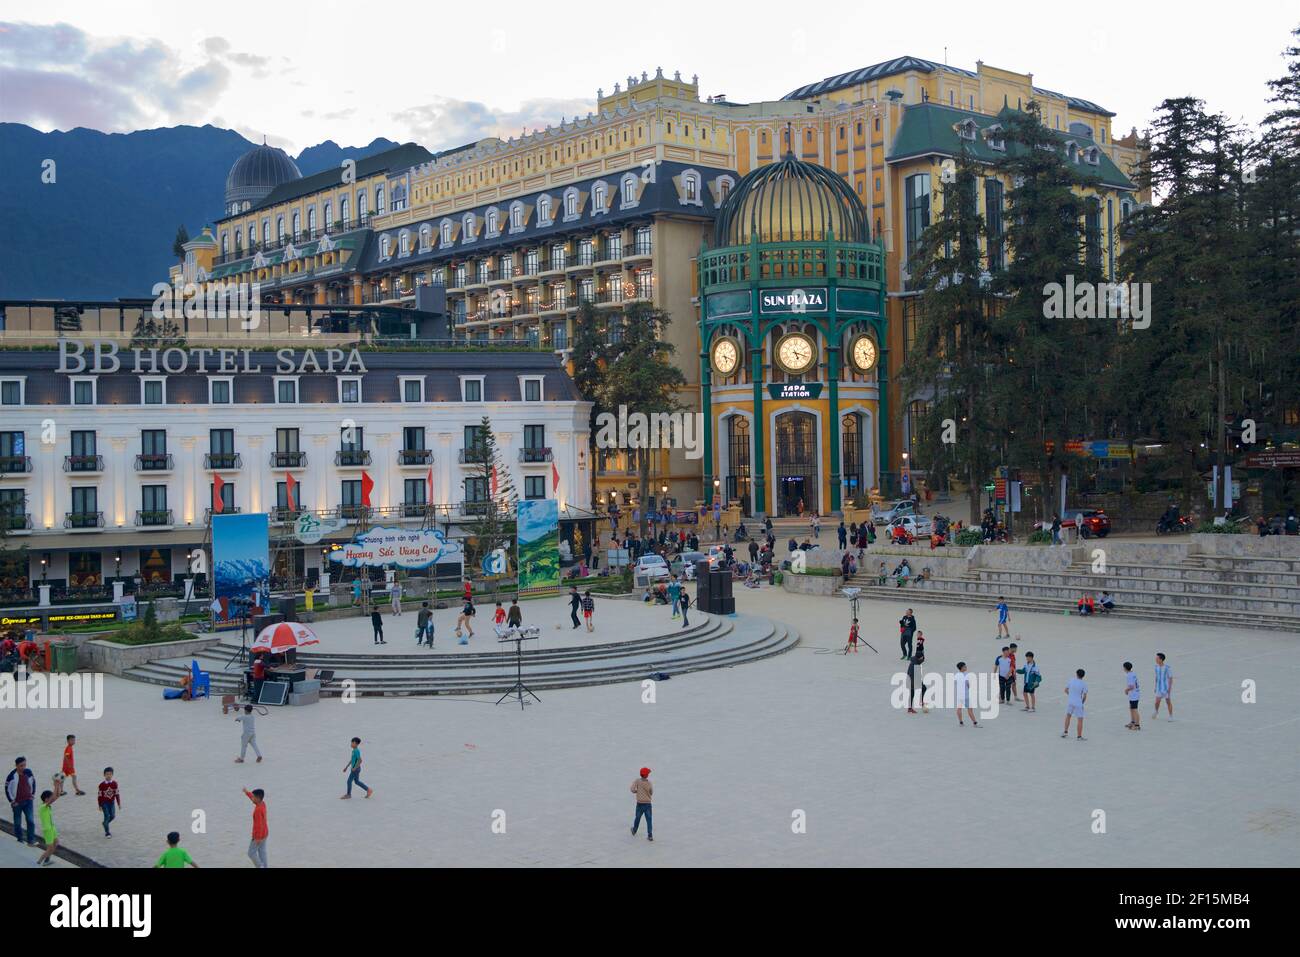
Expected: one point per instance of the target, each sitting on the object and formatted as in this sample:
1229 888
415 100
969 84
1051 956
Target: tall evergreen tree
178 246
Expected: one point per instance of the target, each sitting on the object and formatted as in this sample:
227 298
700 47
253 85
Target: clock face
796 353
726 356
864 353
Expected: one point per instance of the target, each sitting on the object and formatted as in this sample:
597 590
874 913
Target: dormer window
468 228
445 229
628 191
570 204
995 138
1072 151
967 129
493 220
691 188
599 198
426 236
385 247
1092 155
544 213
404 243
516 217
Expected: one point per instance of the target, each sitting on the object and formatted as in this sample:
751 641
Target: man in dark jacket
20 789
906 629
575 602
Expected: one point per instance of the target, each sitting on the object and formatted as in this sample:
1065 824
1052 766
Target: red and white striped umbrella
283 636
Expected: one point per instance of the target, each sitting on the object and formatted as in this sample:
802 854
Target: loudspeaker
265 621
722 588
702 570
287 607
702 592
726 606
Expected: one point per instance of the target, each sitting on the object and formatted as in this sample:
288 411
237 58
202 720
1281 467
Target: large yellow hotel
776 234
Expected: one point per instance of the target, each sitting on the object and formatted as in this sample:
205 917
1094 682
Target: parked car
887 514
918 526
684 564
1096 523
651 568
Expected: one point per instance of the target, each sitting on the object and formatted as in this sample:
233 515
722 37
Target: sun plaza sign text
792 300
103 356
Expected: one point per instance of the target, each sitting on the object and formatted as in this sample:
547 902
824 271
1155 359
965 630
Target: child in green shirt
48 831
175 855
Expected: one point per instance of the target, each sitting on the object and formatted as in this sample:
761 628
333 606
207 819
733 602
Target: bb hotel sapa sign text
102 357
792 300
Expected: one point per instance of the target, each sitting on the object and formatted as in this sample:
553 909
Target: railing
15 521
282 514
582 260
472 455
639 248
352 458
223 460
414 509
153 516
610 254
535 455
414 456
15 463
793 260
153 462
475 508
226 510
608 296
83 520
352 512
288 460
83 463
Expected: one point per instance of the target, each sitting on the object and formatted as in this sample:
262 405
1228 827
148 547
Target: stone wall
114 659
811 584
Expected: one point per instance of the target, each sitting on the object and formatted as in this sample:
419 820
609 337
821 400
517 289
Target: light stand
853 595
519 636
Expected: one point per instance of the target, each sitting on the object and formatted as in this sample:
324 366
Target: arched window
570 203
297 225
329 216
363 207
724 188
446 229
266 232
598 194
311 220
225 243
404 243
426 236
385 247
628 189
493 221
279 229
467 228
344 211
252 238
380 208
544 209
691 186
516 216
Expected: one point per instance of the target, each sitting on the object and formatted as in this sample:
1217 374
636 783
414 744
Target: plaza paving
736 753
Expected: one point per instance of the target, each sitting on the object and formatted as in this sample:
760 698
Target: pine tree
589 362
494 523
955 352
178 246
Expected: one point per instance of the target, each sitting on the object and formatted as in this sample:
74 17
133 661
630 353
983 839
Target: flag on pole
289 497
555 477
218 505
428 498
367 483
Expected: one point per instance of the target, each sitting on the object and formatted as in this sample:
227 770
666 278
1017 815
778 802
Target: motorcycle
1166 526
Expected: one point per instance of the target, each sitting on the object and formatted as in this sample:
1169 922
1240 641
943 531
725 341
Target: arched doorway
852 457
738 463
797 477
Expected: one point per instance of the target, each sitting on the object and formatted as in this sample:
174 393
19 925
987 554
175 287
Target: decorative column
190 472
117 472
385 469
882 389
706 406
257 467
760 424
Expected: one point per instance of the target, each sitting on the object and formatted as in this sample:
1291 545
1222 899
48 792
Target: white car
918 526
688 560
652 568
886 516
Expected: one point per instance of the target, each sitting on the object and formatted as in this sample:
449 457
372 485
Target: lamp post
717 510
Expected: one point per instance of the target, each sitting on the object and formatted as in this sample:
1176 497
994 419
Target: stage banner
539 543
404 547
240 555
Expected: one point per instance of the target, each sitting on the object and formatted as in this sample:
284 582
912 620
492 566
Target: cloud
58 77
444 122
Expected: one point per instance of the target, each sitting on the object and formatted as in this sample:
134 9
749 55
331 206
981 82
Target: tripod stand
240 656
519 636
852 595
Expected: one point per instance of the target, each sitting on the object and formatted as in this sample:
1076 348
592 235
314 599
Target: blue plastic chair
201 686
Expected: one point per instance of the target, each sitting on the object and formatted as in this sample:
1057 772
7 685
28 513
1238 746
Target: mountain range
103 225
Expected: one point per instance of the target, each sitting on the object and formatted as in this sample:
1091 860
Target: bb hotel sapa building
776 234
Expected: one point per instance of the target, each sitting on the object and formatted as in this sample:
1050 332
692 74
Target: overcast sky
301 73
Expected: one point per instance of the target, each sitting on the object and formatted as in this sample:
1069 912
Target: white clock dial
726 356
796 353
864 353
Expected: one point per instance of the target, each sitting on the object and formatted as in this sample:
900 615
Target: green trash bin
65 656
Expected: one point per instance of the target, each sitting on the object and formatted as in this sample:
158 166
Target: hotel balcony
288 460
352 458
13 464
227 510
352 512
581 261
475 508
535 455
415 509
473 456
86 520
554 307
554 267
410 457
15 521
282 514
609 255
83 464
611 297
153 517
153 462
638 250
224 461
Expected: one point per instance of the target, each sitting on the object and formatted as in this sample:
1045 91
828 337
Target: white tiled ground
735 753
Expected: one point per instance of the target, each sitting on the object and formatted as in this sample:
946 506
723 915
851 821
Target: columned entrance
797 479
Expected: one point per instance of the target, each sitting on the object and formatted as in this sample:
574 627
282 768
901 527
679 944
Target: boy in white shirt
1076 695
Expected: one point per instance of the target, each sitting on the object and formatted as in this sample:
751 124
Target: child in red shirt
499 616
70 766
853 638
110 800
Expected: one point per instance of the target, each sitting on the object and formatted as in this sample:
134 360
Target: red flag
494 481
555 477
367 483
289 486
428 498
217 485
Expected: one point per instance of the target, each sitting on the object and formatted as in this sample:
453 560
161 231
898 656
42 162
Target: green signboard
723 304
858 301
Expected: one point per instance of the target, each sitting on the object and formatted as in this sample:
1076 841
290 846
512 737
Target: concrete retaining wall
1248 546
811 584
106 656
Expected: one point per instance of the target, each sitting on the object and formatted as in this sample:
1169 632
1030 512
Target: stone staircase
713 642
1195 589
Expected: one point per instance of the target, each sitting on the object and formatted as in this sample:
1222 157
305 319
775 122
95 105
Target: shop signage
795 390
792 300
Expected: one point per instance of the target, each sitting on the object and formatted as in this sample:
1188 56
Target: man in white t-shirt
962 690
1134 697
1076 695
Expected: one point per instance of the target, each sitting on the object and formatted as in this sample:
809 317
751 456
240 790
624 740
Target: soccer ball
58 778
